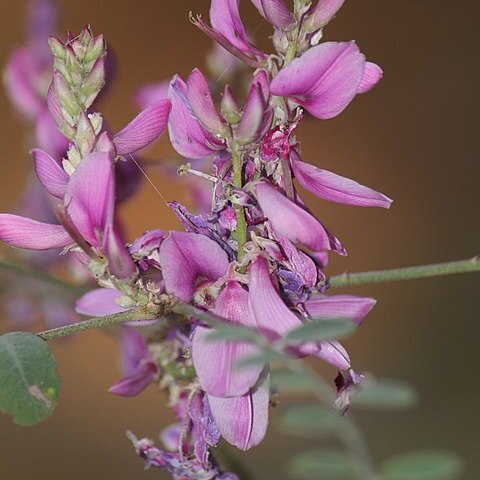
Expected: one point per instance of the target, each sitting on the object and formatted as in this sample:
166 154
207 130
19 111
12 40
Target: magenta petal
334 354
372 74
324 80
134 350
90 196
20 77
215 361
340 306
200 100
253 115
47 135
187 258
291 220
99 302
146 127
334 188
50 174
275 12
324 11
137 381
225 19
243 421
187 135
274 318
22 232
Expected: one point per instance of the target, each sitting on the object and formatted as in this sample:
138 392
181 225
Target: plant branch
241 228
407 273
41 276
141 313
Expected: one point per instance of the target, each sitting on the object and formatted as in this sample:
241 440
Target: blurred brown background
415 138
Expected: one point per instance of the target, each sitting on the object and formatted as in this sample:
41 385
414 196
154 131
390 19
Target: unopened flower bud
85 137
94 82
65 96
229 107
95 50
57 47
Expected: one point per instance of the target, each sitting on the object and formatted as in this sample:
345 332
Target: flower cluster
254 258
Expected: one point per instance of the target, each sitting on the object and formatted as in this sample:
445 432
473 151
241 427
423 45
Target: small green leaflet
295 382
321 464
29 384
228 331
322 329
385 394
423 466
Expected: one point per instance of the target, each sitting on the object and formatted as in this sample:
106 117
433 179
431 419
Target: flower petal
290 220
22 232
339 306
50 174
372 74
334 188
90 197
333 353
48 137
215 361
200 100
324 80
120 263
253 115
275 12
243 421
137 381
151 93
323 12
99 302
274 318
187 136
189 258
146 127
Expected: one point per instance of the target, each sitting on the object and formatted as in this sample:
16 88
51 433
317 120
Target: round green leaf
310 420
29 384
323 329
331 465
423 466
385 394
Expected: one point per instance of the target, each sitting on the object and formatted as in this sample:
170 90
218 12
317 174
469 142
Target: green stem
292 48
232 463
241 229
141 313
44 277
408 273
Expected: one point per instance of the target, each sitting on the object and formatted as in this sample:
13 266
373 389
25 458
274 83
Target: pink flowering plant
221 314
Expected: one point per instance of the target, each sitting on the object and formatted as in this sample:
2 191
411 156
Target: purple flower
228 31
215 361
322 13
293 222
275 12
333 187
138 366
326 78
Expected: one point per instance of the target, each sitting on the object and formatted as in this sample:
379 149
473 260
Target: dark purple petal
50 174
334 188
146 127
90 197
187 260
324 80
291 220
22 232
243 421
275 12
371 76
187 135
274 318
200 101
340 306
215 361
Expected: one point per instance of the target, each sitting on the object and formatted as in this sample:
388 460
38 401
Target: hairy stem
292 48
41 276
241 229
141 313
407 273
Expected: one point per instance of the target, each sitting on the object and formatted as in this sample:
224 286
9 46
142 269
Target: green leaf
29 384
423 466
229 332
385 394
331 465
324 329
265 356
310 420
296 382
